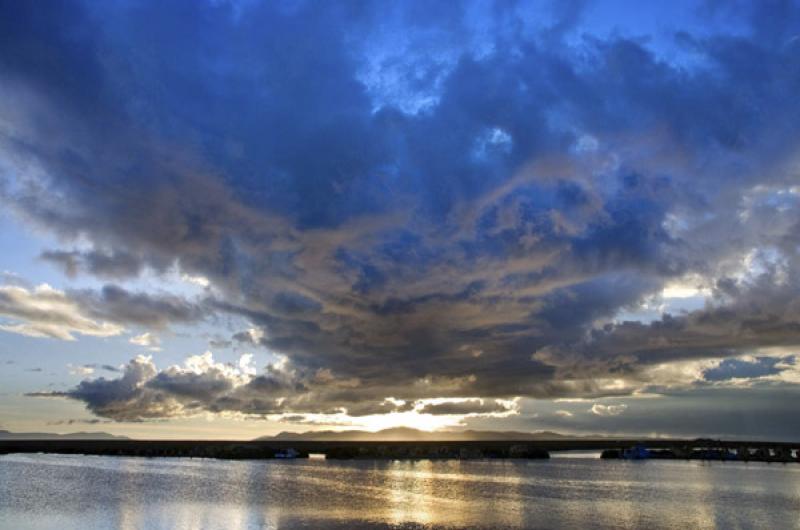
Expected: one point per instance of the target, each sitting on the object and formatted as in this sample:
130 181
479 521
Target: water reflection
72 492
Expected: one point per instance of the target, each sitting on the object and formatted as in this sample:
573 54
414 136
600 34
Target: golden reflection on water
428 493
409 496
127 493
624 510
127 513
195 514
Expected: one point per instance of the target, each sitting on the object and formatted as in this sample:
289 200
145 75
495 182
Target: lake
83 492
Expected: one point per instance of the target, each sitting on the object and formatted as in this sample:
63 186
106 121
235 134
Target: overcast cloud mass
425 209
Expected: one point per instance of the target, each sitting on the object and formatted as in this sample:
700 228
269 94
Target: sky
231 218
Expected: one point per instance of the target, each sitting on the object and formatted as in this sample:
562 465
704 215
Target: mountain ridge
82 435
399 434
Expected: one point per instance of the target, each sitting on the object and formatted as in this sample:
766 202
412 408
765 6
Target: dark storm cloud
243 337
155 311
465 407
740 318
114 397
203 385
457 214
116 265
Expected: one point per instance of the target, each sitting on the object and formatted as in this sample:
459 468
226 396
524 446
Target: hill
7 435
401 434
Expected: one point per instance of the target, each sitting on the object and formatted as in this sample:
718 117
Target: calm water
81 492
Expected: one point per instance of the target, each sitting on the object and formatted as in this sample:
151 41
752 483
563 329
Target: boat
637 452
288 453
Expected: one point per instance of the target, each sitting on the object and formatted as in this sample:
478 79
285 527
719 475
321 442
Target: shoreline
401 450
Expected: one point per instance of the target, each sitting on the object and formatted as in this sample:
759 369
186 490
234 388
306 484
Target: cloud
9 278
47 312
202 385
82 370
760 412
196 280
116 397
471 406
89 369
148 340
73 421
464 214
608 410
154 311
219 343
249 336
114 265
762 313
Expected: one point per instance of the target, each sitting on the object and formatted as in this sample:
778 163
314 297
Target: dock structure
461 450
710 450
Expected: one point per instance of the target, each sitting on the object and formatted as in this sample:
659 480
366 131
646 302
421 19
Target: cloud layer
415 204
43 311
203 385
48 312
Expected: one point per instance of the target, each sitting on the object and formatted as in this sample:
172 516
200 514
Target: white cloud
202 281
256 334
678 290
468 406
47 312
564 413
608 410
148 340
246 365
80 370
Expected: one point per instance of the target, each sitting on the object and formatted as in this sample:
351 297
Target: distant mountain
6 435
400 434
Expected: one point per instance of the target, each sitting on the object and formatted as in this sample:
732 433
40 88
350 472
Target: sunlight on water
78 492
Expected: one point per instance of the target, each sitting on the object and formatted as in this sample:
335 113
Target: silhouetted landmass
407 434
274 449
8 435
470 449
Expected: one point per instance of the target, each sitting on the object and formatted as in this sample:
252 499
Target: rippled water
80 492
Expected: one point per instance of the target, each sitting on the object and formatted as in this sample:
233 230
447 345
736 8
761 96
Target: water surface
81 492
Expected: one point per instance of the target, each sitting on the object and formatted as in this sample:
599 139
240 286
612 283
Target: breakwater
463 450
709 450
269 449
